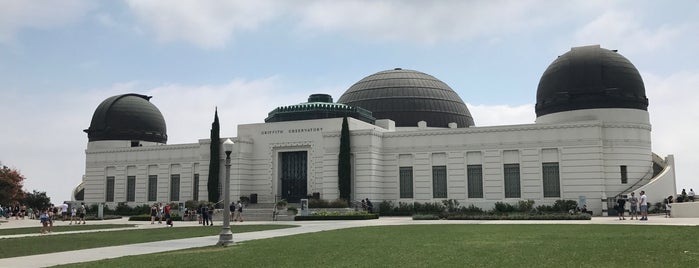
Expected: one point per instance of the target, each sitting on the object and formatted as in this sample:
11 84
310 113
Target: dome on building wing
590 77
407 97
127 117
319 106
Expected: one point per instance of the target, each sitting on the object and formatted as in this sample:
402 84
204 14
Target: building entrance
294 175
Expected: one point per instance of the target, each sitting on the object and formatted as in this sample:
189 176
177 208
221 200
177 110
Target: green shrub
471 209
337 216
451 205
525 205
322 203
521 216
502 207
565 205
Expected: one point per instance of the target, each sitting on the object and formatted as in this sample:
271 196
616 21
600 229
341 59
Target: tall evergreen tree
344 168
214 161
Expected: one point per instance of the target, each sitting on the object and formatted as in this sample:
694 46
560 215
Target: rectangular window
109 197
552 179
474 175
175 187
439 181
406 182
512 184
624 175
195 194
152 187
130 188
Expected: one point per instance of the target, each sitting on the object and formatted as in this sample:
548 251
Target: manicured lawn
447 246
13 247
62 228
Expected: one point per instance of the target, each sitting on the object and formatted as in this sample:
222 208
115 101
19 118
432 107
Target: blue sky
60 59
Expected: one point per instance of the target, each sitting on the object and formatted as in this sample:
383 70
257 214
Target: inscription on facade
293 130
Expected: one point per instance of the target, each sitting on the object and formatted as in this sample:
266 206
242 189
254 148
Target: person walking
633 206
73 216
211 216
668 207
644 206
153 213
81 213
621 205
238 212
232 209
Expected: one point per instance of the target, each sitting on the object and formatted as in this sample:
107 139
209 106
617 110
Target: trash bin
253 198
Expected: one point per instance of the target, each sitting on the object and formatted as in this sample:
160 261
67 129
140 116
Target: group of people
160 212
635 204
236 211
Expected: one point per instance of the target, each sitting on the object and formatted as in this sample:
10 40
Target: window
152 187
439 181
624 175
130 188
512 186
406 182
175 187
110 189
195 194
551 177
474 175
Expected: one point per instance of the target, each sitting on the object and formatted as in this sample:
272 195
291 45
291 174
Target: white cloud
208 24
624 29
34 14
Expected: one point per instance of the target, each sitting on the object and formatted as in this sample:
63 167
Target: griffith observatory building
412 140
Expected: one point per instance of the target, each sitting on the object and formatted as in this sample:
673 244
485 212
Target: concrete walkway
94 254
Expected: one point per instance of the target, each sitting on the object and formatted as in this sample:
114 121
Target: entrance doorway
294 175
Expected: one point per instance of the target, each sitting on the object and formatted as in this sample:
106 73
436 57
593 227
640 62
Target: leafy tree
11 183
344 168
214 162
36 199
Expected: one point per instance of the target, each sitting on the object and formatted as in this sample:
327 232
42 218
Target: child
73 214
44 219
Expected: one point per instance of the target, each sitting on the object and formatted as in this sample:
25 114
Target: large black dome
407 97
127 117
590 77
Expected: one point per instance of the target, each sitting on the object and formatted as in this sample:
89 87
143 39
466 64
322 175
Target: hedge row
338 217
553 216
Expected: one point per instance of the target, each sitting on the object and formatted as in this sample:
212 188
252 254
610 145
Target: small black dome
590 77
407 97
127 117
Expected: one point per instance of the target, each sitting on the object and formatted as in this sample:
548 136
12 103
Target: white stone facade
591 147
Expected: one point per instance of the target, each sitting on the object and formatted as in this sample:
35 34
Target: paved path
94 254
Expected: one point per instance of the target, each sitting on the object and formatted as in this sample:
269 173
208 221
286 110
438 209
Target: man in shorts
81 213
633 206
644 206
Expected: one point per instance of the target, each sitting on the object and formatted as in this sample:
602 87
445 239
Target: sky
60 59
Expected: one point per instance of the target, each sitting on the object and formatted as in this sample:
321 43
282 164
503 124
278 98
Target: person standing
44 219
633 206
644 206
233 210
73 216
64 211
369 206
153 213
160 213
205 215
81 213
621 205
168 219
691 194
211 216
668 207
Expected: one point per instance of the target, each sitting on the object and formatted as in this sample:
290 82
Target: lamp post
225 238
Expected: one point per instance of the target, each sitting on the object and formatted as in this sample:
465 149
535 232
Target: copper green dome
590 77
407 97
127 117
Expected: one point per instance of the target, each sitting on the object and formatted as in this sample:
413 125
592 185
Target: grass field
23 246
447 246
63 228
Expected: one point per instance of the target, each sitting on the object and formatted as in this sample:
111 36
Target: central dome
407 97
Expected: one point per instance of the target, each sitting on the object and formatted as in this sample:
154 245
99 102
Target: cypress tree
344 169
214 161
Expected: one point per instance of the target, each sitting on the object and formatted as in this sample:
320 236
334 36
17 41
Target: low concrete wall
685 210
